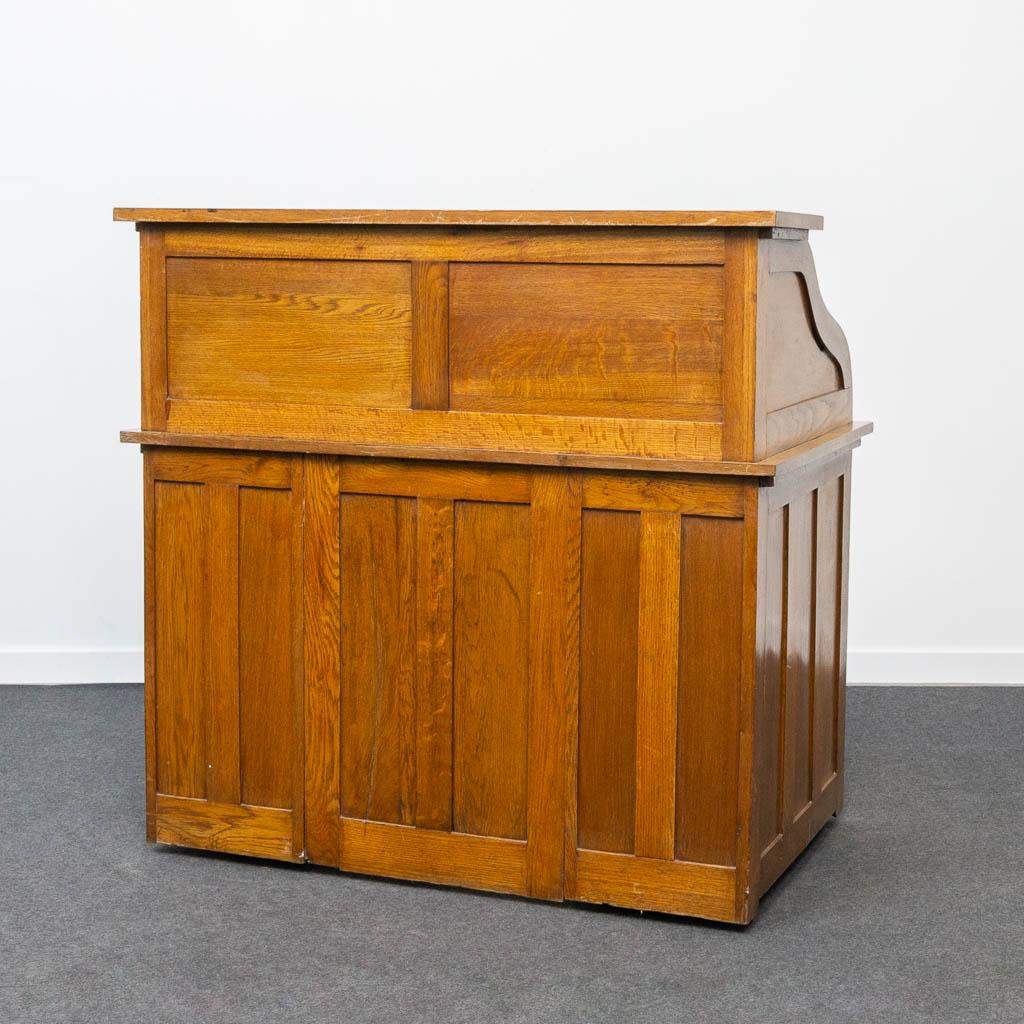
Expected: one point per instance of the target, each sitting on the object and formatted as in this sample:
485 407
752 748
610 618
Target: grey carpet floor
908 908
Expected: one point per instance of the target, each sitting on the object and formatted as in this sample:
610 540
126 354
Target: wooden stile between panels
502 550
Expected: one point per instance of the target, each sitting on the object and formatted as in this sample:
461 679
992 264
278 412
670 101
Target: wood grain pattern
563 435
225 828
378 657
181 615
554 673
152 264
321 588
654 494
266 683
222 679
780 465
298 331
574 218
435 567
671 887
492 664
587 340
739 349
423 855
654 245
429 335
657 684
826 633
709 689
610 610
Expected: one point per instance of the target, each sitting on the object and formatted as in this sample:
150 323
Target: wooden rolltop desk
505 550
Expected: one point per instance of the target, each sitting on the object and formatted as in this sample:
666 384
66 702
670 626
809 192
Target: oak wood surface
569 218
494 549
782 463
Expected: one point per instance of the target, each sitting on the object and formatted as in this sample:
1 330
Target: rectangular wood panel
770 749
492 658
799 631
709 684
609 612
587 340
180 658
378 658
826 632
294 331
267 691
429 335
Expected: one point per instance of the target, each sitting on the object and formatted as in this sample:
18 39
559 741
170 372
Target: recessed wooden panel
769 748
795 366
491 686
292 331
181 617
267 692
826 631
799 639
606 800
709 685
587 340
378 658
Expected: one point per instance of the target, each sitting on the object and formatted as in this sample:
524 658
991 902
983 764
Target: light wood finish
498 550
564 218
224 675
782 464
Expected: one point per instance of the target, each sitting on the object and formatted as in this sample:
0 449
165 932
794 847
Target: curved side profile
805 379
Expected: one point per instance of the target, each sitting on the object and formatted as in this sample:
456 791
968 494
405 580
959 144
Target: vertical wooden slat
181 619
297 710
154 327
771 734
839 716
609 620
492 662
378 658
798 655
429 335
150 627
826 666
738 344
710 667
435 555
266 691
554 673
322 658
222 709
657 684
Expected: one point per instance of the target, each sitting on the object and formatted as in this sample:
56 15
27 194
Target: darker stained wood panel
266 692
378 658
491 685
181 615
709 680
606 793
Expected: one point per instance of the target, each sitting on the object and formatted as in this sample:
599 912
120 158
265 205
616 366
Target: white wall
900 122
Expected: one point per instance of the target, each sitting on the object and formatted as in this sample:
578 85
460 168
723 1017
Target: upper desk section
675 337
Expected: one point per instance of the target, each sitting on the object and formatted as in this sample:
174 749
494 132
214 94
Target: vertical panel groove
812 647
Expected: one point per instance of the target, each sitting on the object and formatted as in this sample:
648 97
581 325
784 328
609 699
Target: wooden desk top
482 218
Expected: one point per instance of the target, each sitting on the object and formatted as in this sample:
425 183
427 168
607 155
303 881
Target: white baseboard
56 666
904 667
963 666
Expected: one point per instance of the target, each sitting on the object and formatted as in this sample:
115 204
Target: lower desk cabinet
611 687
